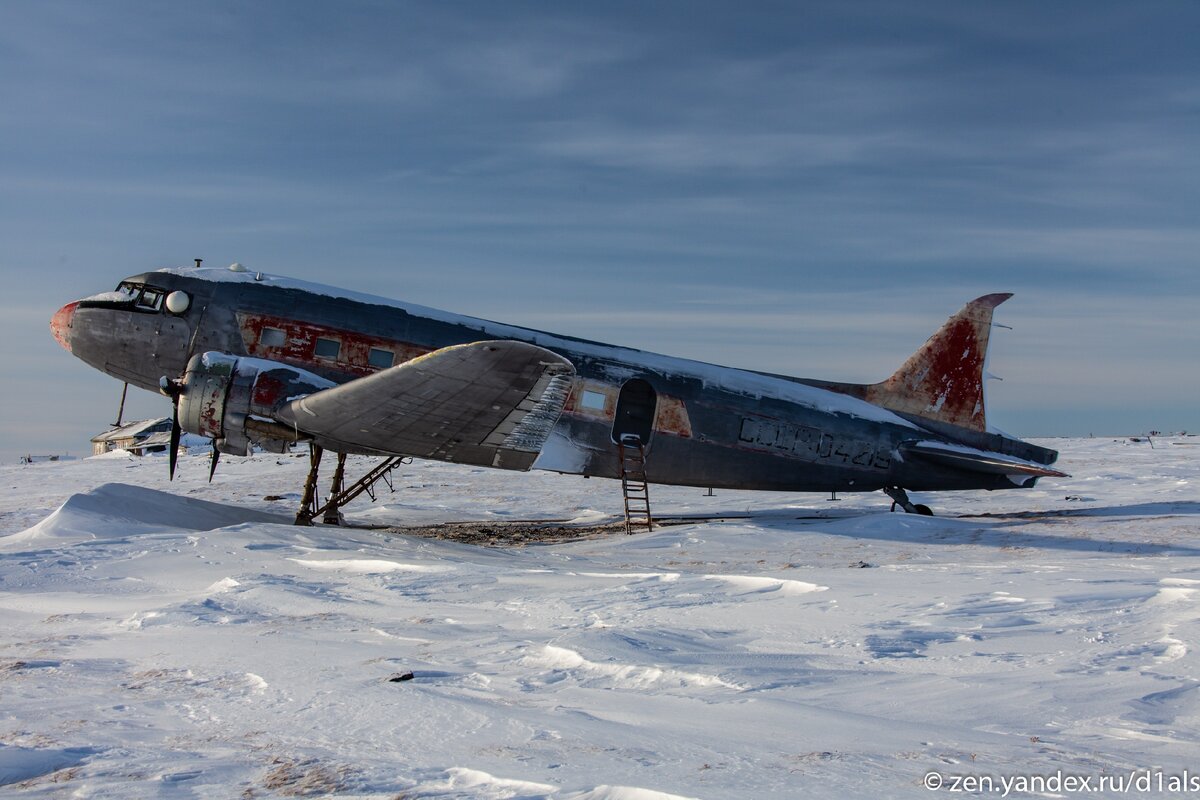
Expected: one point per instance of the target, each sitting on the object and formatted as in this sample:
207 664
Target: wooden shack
139 438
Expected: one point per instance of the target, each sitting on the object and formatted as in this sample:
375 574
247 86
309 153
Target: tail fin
944 379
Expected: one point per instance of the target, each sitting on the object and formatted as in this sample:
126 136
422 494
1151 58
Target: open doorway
636 407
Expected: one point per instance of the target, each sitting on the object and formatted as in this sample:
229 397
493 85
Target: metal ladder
632 454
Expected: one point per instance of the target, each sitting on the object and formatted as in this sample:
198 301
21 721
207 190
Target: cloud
810 190
687 151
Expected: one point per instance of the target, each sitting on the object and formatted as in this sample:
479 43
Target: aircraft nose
60 325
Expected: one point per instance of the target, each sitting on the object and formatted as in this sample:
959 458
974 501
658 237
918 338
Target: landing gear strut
308 502
900 498
339 494
332 516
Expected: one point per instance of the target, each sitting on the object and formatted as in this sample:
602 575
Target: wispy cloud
688 151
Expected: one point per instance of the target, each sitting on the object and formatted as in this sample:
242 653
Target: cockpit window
128 289
151 299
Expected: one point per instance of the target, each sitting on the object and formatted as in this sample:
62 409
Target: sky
805 188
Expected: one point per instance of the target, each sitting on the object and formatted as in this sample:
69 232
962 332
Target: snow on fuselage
703 424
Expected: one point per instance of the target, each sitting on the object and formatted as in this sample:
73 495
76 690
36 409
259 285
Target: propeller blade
172 389
173 454
212 467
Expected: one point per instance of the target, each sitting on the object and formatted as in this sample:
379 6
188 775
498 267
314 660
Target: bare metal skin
263 360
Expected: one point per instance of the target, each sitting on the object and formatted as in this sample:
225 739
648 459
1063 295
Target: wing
486 403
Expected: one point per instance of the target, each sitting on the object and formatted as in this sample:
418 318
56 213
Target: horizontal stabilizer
969 458
487 403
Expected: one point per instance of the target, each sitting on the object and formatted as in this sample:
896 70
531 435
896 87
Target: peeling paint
577 407
60 325
672 417
944 379
269 393
300 341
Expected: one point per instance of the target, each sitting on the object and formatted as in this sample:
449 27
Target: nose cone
60 325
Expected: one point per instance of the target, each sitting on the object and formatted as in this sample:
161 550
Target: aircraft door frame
636 411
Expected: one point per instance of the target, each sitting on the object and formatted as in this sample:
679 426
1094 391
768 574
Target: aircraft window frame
272 337
591 400
378 362
337 348
130 290
155 301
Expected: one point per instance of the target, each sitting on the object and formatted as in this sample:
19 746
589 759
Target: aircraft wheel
923 510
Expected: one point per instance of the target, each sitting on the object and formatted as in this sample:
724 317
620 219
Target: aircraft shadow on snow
994 530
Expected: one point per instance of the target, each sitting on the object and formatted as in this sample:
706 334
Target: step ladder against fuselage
635 488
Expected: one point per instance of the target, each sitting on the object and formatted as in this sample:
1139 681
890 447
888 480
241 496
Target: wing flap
486 403
969 458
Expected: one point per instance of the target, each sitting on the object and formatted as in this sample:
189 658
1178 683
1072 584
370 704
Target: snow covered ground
184 641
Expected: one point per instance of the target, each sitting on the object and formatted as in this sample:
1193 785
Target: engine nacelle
220 393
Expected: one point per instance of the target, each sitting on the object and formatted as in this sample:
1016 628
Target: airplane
251 359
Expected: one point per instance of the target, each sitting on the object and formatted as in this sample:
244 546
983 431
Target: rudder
944 379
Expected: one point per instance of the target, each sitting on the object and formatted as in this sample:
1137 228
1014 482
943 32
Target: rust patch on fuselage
576 405
672 417
300 342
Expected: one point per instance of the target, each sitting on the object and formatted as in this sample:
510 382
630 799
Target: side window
380 358
327 348
151 299
273 337
593 401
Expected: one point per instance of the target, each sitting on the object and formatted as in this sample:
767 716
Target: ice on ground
182 640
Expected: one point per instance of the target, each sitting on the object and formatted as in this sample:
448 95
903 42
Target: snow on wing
486 403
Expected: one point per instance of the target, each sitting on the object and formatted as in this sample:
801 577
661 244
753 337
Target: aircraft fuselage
702 425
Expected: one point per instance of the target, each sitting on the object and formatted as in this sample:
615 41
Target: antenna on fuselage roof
198 260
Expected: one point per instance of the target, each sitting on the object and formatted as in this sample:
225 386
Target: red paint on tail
943 380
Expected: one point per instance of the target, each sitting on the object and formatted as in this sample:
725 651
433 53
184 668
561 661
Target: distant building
139 438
